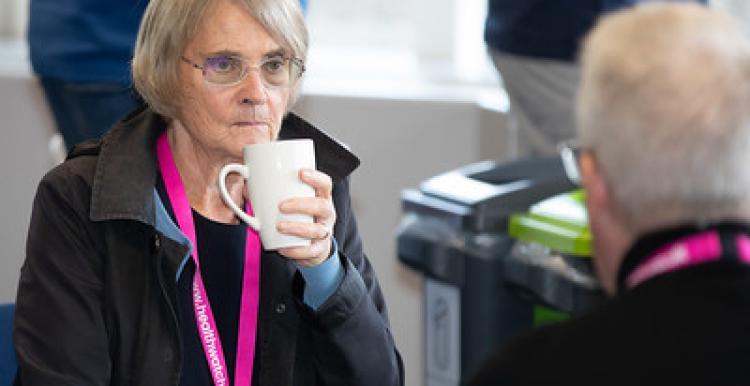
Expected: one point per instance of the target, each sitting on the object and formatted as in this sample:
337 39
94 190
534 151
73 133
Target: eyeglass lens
275 71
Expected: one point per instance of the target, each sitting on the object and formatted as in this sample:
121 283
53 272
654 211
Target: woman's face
222 119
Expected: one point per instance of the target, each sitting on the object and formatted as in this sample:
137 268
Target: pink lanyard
696 249
250 282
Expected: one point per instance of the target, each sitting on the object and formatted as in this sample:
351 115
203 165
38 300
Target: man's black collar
647 244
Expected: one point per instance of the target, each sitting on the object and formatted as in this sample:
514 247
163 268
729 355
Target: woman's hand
320 232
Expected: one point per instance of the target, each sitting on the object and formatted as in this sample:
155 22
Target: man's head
664 119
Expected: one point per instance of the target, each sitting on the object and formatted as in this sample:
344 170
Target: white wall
24 157
23 160
740 9
13 15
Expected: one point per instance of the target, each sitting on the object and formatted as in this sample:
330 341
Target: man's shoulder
557 353
643 336
580 334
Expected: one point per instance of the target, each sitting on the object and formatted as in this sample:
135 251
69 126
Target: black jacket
689 327
97 294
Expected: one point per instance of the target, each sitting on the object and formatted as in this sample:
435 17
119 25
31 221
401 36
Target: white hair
168 26
664 104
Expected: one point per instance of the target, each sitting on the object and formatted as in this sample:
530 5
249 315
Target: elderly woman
108 292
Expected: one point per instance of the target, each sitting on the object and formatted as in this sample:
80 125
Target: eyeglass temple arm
570 165
300 63
191 63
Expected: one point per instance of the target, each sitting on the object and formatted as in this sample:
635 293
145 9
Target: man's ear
611 236
598 192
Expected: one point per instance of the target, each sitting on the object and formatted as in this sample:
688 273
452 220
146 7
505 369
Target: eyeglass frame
247 67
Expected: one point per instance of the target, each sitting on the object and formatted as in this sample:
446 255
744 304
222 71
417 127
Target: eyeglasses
570 153
226 70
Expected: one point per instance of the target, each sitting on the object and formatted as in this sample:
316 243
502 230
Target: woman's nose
253 89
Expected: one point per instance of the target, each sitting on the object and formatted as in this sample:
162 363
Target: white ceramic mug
271 171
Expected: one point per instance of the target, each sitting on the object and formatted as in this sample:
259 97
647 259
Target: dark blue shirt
87 41
546 29
221 250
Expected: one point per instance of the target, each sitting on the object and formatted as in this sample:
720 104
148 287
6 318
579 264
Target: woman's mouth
251 123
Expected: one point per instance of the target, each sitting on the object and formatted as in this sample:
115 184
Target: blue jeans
83 111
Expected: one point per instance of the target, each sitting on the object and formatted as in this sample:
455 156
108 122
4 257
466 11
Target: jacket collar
126 170
648 244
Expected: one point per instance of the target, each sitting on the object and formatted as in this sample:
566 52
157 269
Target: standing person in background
533 44
81 52
664 133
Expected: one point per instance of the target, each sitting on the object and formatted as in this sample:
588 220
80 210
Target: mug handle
241 170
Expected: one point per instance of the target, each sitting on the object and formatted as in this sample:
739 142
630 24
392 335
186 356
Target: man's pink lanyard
696 249
250 282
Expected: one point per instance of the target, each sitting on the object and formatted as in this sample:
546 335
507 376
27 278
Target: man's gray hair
664 104
168 27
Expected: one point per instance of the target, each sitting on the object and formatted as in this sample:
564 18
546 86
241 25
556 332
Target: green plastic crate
559 222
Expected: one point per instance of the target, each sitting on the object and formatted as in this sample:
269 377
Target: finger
306 256
320 181
314 231
319 208
296 253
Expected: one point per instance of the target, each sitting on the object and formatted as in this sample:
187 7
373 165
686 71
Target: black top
221 251
547 29
686 327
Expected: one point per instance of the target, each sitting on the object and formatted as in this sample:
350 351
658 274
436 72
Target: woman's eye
220 64
274 65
